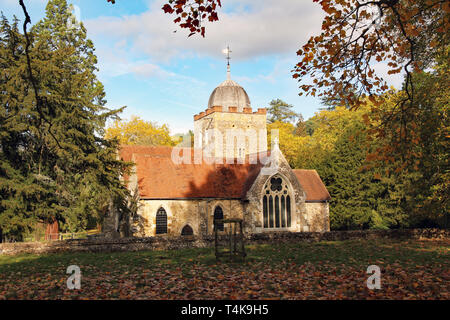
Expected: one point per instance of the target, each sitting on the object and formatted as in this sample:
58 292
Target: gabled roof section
159 177
312 184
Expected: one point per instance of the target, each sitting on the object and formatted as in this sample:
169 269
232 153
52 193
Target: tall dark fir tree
55 163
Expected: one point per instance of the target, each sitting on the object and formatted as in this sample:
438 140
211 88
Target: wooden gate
52 231
229 242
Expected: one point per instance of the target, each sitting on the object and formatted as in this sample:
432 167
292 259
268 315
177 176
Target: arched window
265 213
276 204
161 221
187 231
218 214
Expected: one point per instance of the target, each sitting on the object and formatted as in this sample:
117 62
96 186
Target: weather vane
227 51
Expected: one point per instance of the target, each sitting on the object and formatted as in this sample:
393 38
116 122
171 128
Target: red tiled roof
126 151
160 178
312 184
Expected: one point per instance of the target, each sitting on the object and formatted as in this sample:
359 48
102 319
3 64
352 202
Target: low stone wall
350 235
103 245
165 243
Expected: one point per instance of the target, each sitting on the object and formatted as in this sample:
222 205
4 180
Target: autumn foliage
137 131
191 13
357 34
326 270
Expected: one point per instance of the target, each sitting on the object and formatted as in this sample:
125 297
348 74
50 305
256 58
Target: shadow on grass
352 253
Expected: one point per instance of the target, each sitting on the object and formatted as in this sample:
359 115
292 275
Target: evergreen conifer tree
55 161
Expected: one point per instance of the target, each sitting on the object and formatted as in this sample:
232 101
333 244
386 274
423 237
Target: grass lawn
325 270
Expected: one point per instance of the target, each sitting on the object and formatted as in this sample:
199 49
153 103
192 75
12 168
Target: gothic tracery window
161 221
276 204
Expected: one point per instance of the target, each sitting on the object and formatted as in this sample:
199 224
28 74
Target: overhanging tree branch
39 99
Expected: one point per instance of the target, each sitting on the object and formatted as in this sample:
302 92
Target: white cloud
15 3
148 70
115 62
281 70
252 28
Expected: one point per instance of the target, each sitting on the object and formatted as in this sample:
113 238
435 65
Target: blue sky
163 76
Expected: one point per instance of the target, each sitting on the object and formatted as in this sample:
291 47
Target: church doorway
187 231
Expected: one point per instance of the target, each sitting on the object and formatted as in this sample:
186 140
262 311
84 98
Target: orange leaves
394 71
191 13
410 269
433 43
167 8
446 7
371 157
366 119
350 42
412 30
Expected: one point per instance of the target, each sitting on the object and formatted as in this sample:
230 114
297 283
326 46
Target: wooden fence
56 236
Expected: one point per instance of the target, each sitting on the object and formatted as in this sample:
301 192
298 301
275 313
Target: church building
229 173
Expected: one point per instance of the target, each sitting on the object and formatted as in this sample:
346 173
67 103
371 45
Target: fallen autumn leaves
327 270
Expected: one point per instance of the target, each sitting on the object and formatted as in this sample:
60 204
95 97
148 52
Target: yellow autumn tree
137 131
329 126
304 151
289 142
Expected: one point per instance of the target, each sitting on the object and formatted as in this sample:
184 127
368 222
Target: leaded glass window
218 214
265 213
276 204
161 221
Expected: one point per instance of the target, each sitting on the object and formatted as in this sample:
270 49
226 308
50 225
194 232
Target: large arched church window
276 203
161 221
218 214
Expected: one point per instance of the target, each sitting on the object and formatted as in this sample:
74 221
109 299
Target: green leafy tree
331 102
279 110
426 137
310 126
300 127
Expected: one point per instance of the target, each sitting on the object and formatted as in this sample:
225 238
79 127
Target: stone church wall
243 126
317 216
198 214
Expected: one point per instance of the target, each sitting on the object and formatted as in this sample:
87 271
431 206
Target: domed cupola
229 113
229 94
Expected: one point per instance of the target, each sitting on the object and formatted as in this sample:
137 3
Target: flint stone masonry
166 243
217 130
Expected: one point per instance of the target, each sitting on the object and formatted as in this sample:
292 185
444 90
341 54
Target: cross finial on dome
227 51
